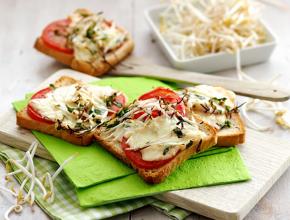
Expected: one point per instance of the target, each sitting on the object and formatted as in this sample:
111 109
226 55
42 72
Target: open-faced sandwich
71 109
154 134
86 42
216 106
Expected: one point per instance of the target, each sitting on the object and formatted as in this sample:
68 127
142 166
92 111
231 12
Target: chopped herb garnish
110 100
166 150
189 144
199 96
219 100
228 108
226 124
98 111
236 109
58 127
198 146
78 124
95 111
84 14
111 125
118 104
52 86
69 109
90 31
205 107
178 132
122 112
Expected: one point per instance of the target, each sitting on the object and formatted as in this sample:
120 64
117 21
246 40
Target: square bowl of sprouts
211 35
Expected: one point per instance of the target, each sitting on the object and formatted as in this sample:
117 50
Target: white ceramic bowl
211 62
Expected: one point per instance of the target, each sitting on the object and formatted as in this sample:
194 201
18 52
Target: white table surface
22 68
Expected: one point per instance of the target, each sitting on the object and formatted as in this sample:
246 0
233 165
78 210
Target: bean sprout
28 171
197 28
280 112
15 208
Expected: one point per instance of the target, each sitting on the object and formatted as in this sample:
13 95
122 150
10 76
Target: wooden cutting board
266 158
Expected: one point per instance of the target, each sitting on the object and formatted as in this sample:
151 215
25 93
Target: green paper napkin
94 165
216 169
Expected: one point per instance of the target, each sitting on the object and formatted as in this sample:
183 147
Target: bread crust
158 175
62 57
24 120
111 59
228 137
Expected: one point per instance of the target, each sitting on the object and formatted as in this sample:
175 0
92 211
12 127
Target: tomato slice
136 158
33 113
55 36
120 100
160 92
168 95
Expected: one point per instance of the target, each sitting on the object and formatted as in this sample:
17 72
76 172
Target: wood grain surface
22 68
265 163
136 66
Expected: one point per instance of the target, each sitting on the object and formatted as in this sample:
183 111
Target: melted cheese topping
157 138
213 102
78 107
92 37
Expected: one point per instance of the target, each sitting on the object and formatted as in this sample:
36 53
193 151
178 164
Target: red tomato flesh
160 92
55 36
168 95
136 158
33 113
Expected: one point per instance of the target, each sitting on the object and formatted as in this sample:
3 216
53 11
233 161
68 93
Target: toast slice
154 130
112 59
100 67
159 175
24 120
229 124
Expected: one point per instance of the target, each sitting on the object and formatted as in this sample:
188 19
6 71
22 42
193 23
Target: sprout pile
26 168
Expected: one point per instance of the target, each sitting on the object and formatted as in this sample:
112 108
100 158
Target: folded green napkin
216 169
116 181
65 205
